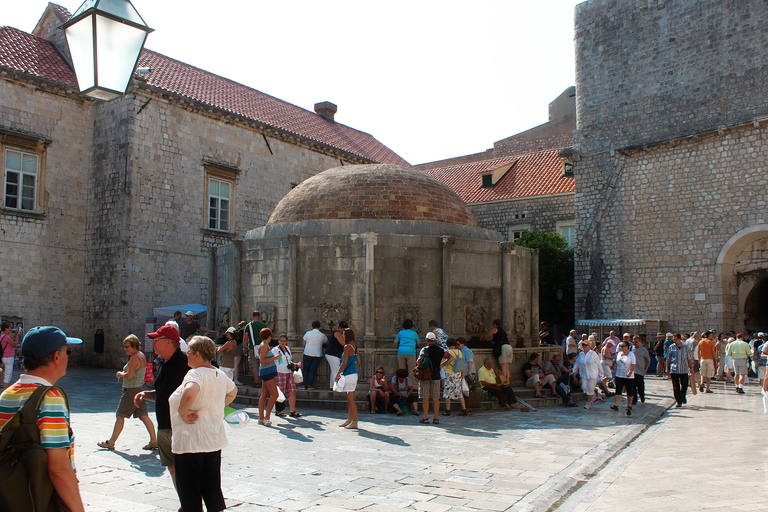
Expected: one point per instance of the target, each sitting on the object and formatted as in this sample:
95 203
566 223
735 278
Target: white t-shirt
282 363
589 365
207 434
314 340
623 363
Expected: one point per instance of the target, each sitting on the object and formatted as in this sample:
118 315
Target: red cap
168 331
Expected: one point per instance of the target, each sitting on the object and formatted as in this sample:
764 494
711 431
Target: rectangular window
20 180
568 230
219 201
515 231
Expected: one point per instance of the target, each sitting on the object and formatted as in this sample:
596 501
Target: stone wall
540 213
670 97
42 254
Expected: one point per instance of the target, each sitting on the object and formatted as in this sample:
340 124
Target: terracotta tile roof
180 78
34 56
532 174
28 53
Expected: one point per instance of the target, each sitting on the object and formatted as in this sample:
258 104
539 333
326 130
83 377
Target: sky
429 79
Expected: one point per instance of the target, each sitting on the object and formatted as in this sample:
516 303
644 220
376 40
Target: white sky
430 79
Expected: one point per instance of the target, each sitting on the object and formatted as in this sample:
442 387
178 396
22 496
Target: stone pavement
489 461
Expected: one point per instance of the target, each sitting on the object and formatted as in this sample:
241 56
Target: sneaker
629 411
587 406
615 407
238 383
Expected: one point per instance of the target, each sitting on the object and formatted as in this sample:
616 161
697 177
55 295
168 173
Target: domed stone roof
372 191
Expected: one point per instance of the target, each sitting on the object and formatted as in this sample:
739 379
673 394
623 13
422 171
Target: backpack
24 463
423 370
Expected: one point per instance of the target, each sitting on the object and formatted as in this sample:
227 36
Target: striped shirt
678 358
52 419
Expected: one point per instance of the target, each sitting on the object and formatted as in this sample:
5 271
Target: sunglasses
379 372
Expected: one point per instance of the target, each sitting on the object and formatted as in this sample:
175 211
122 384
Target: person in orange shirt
707 360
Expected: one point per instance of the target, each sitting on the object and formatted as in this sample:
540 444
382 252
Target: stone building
373 245
522 182
671 181
110 209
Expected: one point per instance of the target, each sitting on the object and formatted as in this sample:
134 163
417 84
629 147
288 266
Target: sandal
267 423
280 414
435 421
150 446
424 420
539 396
106 444
295 414
614 408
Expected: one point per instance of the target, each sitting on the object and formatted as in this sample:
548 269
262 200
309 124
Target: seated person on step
401 393
493 383
563 378
534 376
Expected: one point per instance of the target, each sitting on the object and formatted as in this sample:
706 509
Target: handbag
280 395
338 386
149 375
298 377
464 387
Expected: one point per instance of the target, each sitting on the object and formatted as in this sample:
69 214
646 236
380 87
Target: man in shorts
251 340
693 349
739 350
166 343
707 355
534 376
430 389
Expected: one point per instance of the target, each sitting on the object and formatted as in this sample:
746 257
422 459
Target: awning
614 322
166 312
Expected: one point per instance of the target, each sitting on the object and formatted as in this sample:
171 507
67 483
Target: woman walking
8 350
267 374
348 368
285 369
625 375
133 383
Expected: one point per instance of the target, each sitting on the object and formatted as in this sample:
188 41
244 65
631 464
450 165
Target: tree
555 273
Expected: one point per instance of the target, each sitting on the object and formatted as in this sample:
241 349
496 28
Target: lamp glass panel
118 46
80 41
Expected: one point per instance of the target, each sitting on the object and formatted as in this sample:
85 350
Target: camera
292 367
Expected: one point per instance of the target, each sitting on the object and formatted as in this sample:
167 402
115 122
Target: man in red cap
171 374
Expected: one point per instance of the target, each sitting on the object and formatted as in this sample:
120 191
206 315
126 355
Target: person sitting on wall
378 391
401 393
545 335
491 380
563 378
502 350
534 376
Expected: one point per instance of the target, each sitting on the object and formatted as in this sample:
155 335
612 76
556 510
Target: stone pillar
507 287
534 323
446 319
293 285
370 306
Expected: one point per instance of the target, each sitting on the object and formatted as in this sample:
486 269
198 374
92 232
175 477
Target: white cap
431 336
190 313
231 329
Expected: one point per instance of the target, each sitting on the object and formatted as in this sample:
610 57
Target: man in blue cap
46 353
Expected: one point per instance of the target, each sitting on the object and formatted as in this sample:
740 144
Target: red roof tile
180 78
30 54
533 174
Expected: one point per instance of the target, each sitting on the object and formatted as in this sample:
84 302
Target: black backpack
24 463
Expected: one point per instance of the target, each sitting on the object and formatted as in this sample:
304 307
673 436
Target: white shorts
707 368
588 386
350 383
533 379
740 366
761 372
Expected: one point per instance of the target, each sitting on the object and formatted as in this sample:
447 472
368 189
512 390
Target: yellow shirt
486 375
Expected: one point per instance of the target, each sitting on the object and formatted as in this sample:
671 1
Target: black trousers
198 479
503 394
639 388
679 386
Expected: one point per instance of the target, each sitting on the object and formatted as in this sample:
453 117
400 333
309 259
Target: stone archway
741 269
755 305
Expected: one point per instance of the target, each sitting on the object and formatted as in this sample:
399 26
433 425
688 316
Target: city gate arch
741 292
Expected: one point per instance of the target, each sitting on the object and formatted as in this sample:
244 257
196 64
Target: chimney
325 109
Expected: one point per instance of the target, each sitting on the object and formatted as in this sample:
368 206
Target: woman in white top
197 421
588 369
625 375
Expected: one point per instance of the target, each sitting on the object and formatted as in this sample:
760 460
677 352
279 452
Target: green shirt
256 326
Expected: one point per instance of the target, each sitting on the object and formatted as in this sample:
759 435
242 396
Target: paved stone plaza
709 455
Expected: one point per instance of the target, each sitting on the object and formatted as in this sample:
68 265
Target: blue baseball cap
43 341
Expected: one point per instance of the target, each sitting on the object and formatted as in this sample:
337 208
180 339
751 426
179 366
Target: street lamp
105 38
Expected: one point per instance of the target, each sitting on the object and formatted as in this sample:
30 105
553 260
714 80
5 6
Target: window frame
228 177
23 145
517 228
569 223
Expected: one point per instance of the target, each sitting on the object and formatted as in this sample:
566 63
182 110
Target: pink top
5 344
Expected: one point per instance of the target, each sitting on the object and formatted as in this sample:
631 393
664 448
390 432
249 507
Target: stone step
327 399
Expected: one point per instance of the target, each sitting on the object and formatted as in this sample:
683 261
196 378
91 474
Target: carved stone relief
404 311
334 312
520 323
475 319
223 316
268 315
